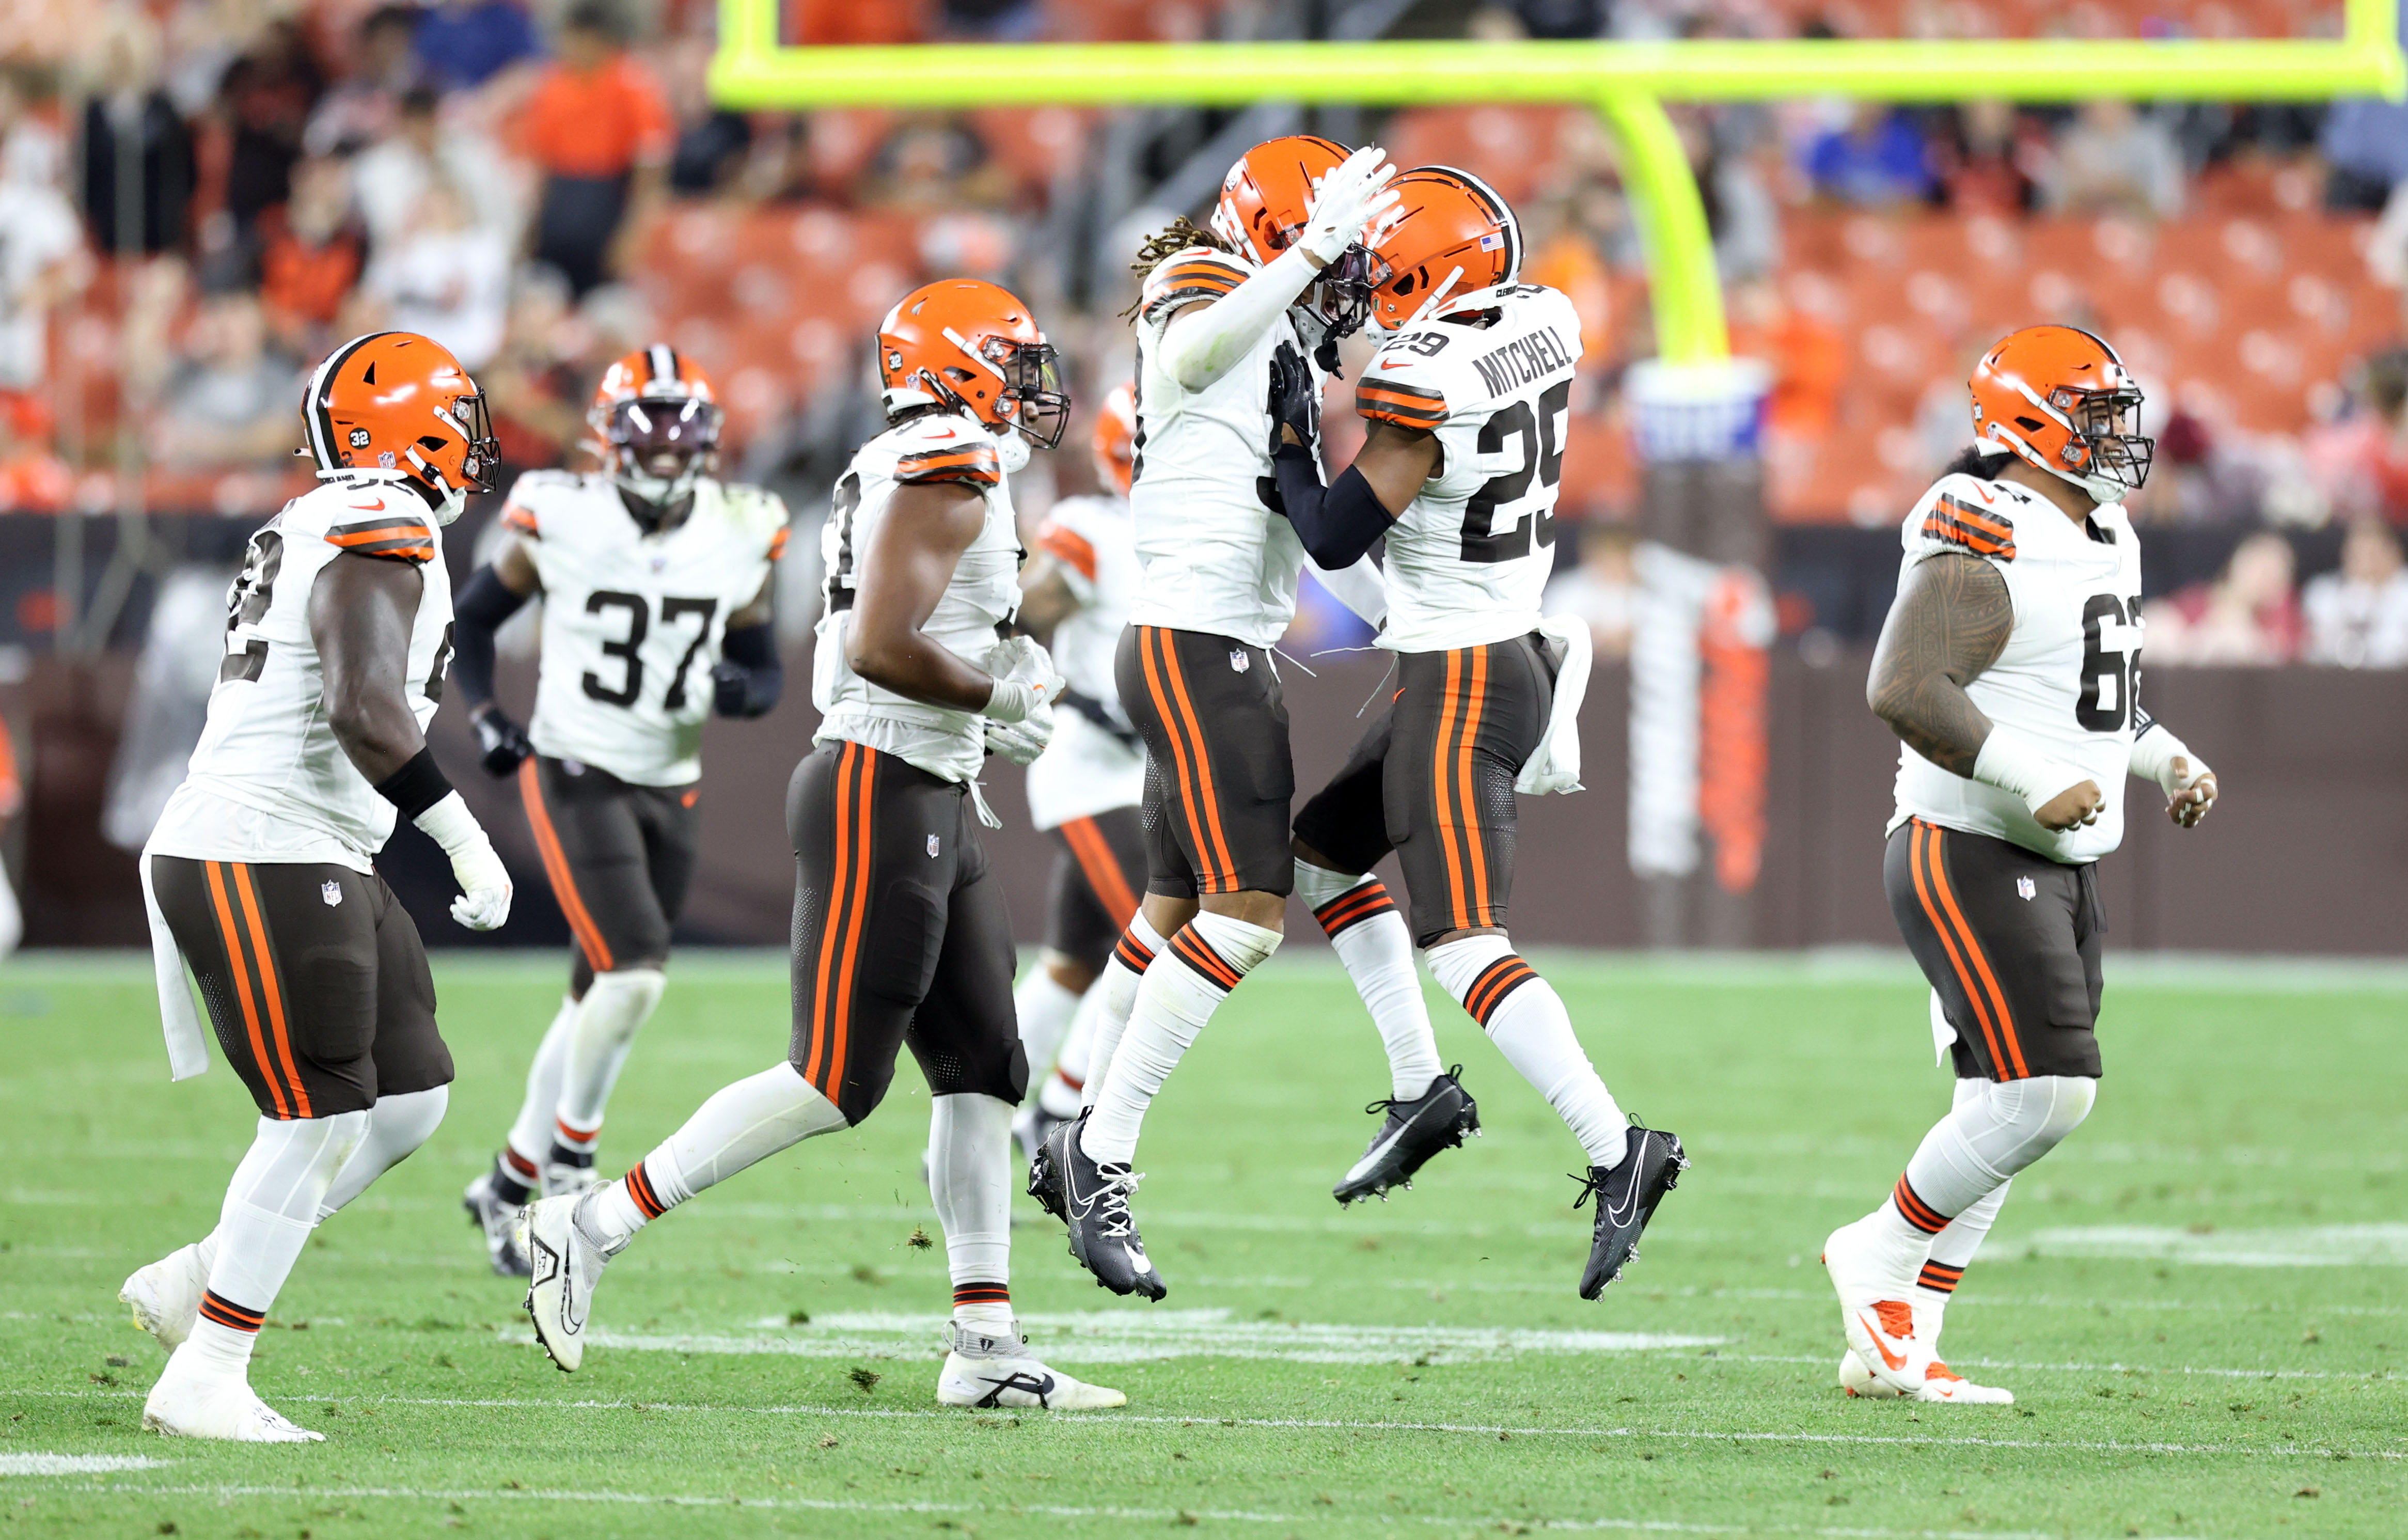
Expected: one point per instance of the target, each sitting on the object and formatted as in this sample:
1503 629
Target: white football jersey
970 617
1216 558
1469 557
268 782
1090 767
631 622
2070 677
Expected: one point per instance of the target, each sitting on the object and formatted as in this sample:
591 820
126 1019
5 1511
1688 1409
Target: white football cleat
567 1263
1940 1382
1877 1317
166 1296
192 1402
988 1371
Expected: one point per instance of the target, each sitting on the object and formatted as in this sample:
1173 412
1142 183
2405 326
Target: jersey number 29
1543 460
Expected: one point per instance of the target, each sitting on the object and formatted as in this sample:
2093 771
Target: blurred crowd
199 196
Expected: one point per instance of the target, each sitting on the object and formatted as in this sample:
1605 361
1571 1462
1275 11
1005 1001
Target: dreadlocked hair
1976 460
1182 234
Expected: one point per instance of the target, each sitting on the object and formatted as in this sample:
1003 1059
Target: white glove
484 900
1353 194
1022 741
1026 681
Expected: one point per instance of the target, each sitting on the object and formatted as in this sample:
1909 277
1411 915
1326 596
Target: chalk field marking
1099 1336
2318 1245
1046 1510
1108 1421
62 1464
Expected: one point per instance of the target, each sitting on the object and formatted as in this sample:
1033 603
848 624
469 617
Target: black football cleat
1626 1197
1438 1119
1093 1200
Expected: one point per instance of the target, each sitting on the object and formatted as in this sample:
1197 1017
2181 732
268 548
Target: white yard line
1106 1422
62 1464
2306 1246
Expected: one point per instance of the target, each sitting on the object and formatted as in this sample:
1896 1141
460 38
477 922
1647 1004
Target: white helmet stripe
664 363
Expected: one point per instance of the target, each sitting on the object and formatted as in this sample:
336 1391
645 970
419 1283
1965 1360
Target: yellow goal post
1627 83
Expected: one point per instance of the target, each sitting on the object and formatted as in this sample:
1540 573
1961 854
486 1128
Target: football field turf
2196 1299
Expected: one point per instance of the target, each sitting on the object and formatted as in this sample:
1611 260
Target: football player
657 579
900 935
260 872
1275 282
1466 405
2010 668
1086 788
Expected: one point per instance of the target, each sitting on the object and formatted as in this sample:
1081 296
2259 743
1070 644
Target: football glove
1293 402
1026 681
1353 194
503 743
484 900
1022 741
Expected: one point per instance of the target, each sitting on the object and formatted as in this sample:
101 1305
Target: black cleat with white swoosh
1626 1197
1411 1133
1093 1200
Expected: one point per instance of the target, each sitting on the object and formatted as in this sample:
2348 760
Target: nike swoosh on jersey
1393 364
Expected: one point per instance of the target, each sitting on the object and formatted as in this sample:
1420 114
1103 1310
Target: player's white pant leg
615 1008
1176 997
1116 998
1530 1027
531 1135
1044 1009
12 918
969 1176
1378 954
1993 1131
398 1125
1063 1092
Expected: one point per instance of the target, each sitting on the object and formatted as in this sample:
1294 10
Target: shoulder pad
539 494
366 519
1060 537
760 512
944 448
1404 383
1197 273
1962 512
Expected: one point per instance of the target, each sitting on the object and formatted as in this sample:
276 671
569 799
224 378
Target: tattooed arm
1951 621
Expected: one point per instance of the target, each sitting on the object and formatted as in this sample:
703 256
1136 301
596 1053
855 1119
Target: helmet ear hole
431 444
2029 425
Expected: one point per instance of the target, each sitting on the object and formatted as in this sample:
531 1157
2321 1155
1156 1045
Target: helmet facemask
2102 452
659 447
468 417
1028 395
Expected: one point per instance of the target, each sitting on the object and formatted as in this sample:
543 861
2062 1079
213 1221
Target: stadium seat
1514 148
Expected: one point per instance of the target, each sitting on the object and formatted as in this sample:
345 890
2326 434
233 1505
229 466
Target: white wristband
2014 764
2153 753
449 824
1011 701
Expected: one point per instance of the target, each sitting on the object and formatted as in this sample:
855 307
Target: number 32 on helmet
397 405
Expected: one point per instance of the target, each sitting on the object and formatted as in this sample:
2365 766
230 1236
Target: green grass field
2197 1298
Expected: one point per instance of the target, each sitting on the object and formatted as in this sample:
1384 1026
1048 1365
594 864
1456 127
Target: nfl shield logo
932 847
2026 889
331 892
1239 661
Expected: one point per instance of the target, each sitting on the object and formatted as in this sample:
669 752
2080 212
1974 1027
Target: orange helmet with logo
397 401
658 420
1266 201
1449 235
2060 398
1116 438
971 345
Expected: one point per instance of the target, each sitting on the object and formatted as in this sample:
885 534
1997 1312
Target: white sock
969 1176
1370 937
220 1349
1994 1131
398 1125
748 1121
531 1135
1178 996
1044 1009
1952 1248
1525 1018
615 1008
1063 1091
1116 997
270 1207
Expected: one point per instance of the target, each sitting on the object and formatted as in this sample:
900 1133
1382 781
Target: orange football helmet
2060 398
1449 234
971 345
1266 201
658 421
1116 438
397 401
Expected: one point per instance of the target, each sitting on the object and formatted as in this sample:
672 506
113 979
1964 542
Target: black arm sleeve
749 679
1336 523
477 613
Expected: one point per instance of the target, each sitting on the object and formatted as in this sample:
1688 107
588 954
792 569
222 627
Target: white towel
1555 767
187 1051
